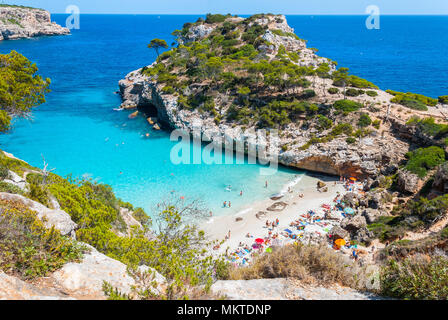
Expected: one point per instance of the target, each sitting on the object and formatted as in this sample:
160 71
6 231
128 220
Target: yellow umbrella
340 242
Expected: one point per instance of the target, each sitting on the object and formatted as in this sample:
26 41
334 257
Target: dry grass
310 264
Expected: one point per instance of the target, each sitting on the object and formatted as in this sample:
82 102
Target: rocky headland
306 140
18 22
229 76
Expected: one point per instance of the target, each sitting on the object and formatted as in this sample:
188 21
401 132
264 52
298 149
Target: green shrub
10 188
364 120
412 100
424 159
27 248
4 172
333 90
371 93
376 124
307 94
443 99
416 279
215 18
429 127
323 123
347 105
345 128
168 90
353 92
350 140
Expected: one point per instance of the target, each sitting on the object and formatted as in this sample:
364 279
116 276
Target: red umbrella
259 241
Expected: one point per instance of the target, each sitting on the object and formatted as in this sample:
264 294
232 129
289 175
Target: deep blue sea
78 132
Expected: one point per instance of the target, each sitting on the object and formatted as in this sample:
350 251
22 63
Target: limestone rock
338 233
129 219
16 180
408 182
58 219
86 278
277 206
363 235
351 199
372 214
321 184
16 23
354 224
12 288
283 289
441 179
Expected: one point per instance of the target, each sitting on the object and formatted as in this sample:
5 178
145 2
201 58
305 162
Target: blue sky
240 6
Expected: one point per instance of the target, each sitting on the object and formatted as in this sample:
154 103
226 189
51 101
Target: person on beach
266 184
225 204
277 221
230 204
211 214
229 235
241 193
267 223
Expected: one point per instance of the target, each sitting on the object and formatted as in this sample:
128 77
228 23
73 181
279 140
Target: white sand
218 227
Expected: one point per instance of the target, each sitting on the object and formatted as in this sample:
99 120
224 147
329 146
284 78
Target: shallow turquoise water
78 132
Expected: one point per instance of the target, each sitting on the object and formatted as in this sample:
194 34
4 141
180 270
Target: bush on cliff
416 278
424 159
27 248
412 100
347 105
443 99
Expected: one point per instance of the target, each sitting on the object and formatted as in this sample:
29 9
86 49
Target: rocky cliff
23 22
304 141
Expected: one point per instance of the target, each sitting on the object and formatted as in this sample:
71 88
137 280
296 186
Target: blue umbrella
349 211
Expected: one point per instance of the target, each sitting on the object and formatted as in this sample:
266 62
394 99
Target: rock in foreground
284 289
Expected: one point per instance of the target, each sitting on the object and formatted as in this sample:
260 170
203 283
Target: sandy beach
218 227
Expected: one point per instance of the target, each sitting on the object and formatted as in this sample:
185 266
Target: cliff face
368 155
18 22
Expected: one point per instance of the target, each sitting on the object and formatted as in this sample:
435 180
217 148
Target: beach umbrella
259 240
353 179
268 250
340 242
349 211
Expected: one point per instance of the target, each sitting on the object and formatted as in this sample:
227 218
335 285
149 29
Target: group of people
227 204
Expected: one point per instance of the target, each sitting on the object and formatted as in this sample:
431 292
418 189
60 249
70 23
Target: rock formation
23 22
368 156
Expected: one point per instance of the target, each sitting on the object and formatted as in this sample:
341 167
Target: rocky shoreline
370 156
21 22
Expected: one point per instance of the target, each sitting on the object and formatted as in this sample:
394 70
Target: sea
79 132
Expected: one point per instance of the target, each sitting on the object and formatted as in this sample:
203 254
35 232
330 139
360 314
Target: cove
78 132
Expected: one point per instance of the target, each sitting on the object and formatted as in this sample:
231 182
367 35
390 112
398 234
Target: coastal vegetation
307 263
175 247
21 88
27 248
412 100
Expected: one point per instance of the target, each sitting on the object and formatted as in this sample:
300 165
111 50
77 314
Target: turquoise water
78 132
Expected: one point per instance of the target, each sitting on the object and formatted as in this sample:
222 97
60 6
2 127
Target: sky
358 7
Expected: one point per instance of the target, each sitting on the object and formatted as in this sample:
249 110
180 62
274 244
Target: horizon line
249 14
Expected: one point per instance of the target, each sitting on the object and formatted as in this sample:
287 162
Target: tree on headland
157 44
21 88
341 78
